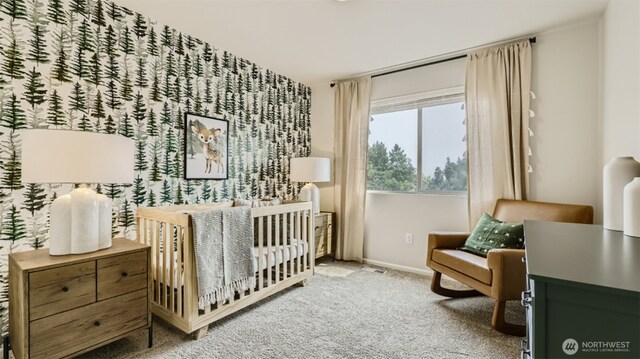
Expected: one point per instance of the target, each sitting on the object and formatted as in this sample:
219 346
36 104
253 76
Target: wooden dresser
61 306
324 233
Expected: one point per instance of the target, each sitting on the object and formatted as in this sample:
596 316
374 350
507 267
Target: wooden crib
283 256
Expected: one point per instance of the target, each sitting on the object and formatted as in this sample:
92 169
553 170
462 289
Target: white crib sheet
285 252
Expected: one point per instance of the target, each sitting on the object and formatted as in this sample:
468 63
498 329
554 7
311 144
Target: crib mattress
284 254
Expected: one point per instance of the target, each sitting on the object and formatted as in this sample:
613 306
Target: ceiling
316 41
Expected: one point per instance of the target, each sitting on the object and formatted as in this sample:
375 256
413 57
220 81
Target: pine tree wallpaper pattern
91 65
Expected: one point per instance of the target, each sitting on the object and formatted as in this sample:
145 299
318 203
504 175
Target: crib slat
146 232
312 241
269 260
165 255
291 238
298 256
304 240
179 272
138 231
158 264
190 289
172 272
285 238
279 250
260 252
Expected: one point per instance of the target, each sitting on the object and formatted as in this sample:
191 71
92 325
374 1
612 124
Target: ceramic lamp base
310 193
80 222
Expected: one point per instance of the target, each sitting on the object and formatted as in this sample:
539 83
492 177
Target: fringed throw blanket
223 245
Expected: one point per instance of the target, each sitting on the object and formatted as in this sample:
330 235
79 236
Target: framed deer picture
206 147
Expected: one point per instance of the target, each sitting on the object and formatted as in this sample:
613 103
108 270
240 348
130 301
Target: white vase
617 173
632 208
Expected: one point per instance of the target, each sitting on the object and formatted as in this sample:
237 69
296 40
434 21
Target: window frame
418 101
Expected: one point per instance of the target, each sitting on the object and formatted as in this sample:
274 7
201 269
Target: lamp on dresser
310 169
81 219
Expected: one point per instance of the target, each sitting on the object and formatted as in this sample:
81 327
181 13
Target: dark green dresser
583 292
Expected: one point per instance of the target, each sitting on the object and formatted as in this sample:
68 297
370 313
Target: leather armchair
502 274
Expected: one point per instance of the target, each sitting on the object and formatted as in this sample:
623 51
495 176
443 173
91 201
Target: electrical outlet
408 238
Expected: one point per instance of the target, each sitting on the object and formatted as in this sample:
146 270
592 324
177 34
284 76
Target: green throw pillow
491 233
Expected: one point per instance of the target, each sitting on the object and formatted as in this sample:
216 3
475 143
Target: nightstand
324 233
62 306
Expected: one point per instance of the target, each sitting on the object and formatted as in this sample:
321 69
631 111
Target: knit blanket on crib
223 245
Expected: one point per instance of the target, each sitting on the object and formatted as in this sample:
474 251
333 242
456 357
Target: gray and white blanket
223 245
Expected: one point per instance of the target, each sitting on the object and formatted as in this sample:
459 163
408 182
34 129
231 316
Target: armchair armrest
444 240
508 273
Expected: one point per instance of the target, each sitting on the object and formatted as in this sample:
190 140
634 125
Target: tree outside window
428 139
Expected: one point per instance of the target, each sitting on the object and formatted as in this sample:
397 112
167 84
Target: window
417 144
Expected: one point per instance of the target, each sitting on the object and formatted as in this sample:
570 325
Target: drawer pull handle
96 323
65 289
124 274
525 298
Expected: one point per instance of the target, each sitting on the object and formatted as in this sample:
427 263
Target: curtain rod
531 40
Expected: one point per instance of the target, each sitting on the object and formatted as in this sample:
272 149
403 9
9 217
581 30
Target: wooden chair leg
498 322
437 288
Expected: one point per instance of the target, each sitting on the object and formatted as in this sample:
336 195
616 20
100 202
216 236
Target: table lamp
310 169
81 219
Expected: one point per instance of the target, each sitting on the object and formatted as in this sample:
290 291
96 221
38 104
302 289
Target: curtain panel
351 145
498 83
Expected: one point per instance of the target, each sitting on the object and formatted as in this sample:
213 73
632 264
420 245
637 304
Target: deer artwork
211 145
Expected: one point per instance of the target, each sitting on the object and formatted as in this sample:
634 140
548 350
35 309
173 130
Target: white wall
388 217
565 145
621 80
322 126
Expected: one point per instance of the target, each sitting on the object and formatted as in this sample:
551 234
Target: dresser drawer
123 274
321 220
66 333
320 247
56 290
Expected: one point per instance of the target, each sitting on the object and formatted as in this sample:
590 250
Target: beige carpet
344 313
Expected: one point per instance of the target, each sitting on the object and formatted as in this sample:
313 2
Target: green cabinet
583 297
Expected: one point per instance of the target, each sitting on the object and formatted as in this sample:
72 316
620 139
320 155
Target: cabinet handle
65 289
96 323
525 351
525 298
524 259
124 274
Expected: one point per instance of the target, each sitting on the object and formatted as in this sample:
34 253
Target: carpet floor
344 312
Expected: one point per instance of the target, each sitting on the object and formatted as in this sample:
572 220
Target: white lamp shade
58 156
310 169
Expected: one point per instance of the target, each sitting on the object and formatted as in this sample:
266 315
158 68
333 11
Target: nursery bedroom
320 179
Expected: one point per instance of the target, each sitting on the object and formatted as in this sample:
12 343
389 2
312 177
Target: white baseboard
426 272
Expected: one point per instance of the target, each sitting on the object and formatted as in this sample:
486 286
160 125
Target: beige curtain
497 89
351 135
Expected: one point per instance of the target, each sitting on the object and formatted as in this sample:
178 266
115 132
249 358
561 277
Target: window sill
422 193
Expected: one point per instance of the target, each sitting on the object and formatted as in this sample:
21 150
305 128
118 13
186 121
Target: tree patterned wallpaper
91 65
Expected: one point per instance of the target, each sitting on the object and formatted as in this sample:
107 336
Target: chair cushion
491 233
466 263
